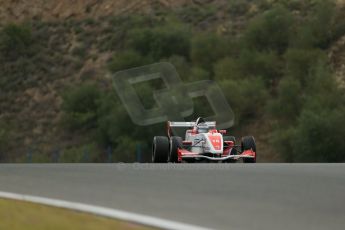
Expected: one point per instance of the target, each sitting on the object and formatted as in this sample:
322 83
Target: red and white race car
202 143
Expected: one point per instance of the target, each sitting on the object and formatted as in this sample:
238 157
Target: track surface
219 196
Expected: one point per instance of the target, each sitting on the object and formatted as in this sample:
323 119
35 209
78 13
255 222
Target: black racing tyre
175 143
160 149
246 144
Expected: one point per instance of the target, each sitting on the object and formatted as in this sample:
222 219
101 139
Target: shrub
127 59
14 73
197 74
250 63
160 42
113 120
80 51
321 26
125 149
195 14
238 7
181 64
188 72
206 49
299 63
270 31
319 136
282 141
268 65
247 97
3 137
286 106
310 128
81 154
228 68
80 107
321 23
15 41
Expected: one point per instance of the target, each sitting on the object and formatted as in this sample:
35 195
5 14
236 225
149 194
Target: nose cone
216 141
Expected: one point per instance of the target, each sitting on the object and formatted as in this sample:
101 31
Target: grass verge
19 215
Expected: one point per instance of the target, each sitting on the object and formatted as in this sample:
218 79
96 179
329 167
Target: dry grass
18 215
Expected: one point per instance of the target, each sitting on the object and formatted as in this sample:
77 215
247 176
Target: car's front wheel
160 149
248 143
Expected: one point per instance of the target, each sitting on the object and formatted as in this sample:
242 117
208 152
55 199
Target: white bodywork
202 143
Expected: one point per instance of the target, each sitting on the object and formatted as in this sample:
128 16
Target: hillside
73 43
78 9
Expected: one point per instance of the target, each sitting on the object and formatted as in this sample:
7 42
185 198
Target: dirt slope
14 10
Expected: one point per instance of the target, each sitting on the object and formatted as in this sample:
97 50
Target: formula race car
202 143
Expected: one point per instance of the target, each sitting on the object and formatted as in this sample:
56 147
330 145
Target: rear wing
183 124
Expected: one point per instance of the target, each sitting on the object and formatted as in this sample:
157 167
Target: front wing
184 154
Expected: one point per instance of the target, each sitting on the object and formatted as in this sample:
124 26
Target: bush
115 128
250 63
299 63
268 65
125 149
319 136
160 42
285 106
195 14
321 22
247 97
238 7
181 64
128 59
270 31
3 138
229 68
310 128
282 141
206 49
321 26
80 51
15 41
197 74
113 120
15 72
81 154
80 107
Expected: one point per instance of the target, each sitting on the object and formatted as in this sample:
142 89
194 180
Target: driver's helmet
202 128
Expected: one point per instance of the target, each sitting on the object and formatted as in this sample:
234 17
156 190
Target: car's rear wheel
160 149
248 143
175 144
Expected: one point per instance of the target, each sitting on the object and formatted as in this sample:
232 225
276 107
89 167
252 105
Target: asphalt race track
217 196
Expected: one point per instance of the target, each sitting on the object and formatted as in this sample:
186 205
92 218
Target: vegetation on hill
273 70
